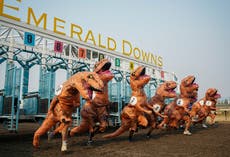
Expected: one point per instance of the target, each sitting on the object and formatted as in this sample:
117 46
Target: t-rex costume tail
96 110
165 90
202 108
133 113
67 99
178 110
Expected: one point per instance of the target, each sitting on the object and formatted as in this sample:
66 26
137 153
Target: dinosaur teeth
94 95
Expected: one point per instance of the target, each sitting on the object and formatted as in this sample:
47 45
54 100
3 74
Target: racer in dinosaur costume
133 114
102 68
96 110
202 108
178 111
66 100
156 103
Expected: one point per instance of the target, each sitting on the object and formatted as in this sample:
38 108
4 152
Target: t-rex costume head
167 89
102 68
187 87
138 78
90 82
82 82
211 94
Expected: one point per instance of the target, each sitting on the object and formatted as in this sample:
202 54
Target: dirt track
211 142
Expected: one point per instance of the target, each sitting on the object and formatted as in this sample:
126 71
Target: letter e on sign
58 46
29 39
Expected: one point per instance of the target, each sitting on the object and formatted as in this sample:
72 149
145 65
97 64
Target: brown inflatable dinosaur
133 113
202 108
165 90
102 99
95 110
67 99
177 111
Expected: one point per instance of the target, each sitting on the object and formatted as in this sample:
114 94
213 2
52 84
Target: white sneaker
64 146
187 132
204 125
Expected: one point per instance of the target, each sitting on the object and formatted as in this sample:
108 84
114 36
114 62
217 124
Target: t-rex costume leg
165 90
95 110
133 113
178 110
67 99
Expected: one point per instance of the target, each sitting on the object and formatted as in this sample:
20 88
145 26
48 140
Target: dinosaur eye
133 74
90 76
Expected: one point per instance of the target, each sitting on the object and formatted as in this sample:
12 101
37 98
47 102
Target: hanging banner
153 72
162 75
101 56
175 78
88 54
81 52
131 66
95 54
58 46
29 39
117 62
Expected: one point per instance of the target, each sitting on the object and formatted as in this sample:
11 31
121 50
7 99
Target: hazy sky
192 36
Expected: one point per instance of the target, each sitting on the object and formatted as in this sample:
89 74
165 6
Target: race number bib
208 103
133 100
179 102
201 102
58 90
156 108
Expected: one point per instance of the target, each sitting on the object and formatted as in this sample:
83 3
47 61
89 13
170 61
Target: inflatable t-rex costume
165 90
96 110
202 108
102 99
177 111
66 100
133 113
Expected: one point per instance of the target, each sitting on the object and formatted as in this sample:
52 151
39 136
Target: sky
192 36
